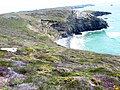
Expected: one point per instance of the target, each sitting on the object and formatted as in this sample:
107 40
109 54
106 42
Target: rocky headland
68 21
40 64
100 13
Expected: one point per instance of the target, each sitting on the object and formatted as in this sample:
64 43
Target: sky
7 6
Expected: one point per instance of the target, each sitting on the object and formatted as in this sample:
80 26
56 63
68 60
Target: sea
105 41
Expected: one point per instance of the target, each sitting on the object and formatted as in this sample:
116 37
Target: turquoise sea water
106 41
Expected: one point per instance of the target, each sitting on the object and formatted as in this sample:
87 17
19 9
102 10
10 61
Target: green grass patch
47 57
4 22
101 70
2 53
5 37
5 63
88 11
76 74
21 70
45 69
63 74
83 60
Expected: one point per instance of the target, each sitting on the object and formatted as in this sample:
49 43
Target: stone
62 69
100 13
26 86
9 49
3 82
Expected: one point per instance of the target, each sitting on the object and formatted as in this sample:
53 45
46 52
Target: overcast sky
22 5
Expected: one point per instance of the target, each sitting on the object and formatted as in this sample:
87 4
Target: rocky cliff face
100 13
69 22
88 22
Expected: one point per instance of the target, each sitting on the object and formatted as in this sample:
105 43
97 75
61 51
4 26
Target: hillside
41 64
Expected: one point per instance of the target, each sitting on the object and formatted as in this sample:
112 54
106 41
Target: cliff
69 22
38 63
100 13
97 13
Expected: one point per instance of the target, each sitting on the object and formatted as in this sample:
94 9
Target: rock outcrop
100 13
88 22
68 22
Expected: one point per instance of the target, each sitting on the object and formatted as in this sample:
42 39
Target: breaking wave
113 34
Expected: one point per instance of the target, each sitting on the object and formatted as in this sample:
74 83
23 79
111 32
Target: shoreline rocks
67 21
100 13
88 22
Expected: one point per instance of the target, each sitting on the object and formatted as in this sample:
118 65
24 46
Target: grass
83 60
76 74
61 19
5 63
4 37
42 56
12 23
2 53
45 69
88 11
101 70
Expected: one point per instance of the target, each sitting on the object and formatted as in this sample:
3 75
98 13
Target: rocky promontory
69 22
97 13
100 13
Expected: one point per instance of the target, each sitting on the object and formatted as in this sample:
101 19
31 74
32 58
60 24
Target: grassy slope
50 66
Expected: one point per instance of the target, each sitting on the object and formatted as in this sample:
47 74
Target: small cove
106 41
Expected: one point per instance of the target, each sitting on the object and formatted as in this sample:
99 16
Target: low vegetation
47 65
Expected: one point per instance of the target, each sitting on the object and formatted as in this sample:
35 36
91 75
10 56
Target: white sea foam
113 34
84 33
77 41
62 42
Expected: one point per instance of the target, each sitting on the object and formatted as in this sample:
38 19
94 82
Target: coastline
41 64
111 34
